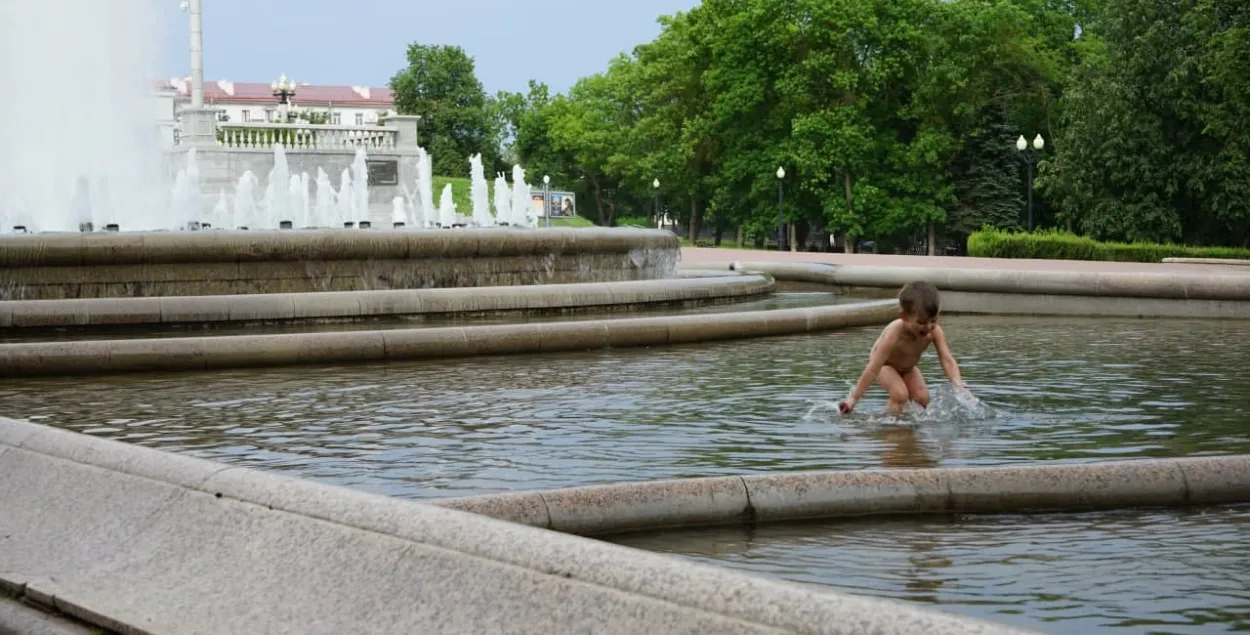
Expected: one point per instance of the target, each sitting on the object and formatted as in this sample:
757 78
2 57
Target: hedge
1058 245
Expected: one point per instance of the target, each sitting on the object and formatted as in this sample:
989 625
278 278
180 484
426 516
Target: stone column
199 127
406 136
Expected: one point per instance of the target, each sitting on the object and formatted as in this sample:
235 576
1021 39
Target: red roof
305 94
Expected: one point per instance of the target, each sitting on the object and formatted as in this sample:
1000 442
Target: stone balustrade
306 136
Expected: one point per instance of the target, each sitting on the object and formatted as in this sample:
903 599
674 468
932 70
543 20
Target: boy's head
919 305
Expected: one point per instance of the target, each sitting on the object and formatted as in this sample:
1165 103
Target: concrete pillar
197 55
199 126
407 134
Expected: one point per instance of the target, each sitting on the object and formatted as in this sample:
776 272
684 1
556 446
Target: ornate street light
1030 157
284 90
781 223
655 203
547 199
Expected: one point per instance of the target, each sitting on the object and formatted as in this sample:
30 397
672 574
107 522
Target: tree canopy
895 120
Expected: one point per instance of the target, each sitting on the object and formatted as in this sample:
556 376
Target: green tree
441 85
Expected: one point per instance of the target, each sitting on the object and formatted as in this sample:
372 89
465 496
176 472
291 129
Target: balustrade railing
305 136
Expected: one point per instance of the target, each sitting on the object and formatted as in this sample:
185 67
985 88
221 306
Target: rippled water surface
1061 390
1132 572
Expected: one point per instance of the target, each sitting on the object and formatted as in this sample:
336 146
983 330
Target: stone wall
144 264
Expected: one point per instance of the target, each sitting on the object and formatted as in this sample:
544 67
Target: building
247 102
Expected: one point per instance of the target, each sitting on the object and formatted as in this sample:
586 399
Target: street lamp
781 227
547 199
1030 158
655 203
284 90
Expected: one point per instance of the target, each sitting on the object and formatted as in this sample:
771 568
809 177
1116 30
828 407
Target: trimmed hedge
1058 245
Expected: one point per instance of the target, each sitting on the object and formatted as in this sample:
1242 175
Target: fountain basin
145 264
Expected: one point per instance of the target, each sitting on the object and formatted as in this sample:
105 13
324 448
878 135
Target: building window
269 114
337 118
360 119
247 116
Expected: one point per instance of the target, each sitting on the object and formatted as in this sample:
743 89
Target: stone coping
229 351
616 508
1049 282
377 303
133 248
138 540
1236 262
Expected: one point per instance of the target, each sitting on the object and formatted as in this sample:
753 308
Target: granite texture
17 618
607 509
136 540
147 264
1163 285
195 353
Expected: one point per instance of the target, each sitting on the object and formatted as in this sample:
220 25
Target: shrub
1059 245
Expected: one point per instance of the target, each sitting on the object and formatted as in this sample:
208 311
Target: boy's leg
893 384
916 387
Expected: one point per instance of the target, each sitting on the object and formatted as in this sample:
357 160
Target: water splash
323 210
946 405
446 208
503 200
425 189
521 204
479 193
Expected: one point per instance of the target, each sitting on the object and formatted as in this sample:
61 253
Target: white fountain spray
294 191
323 211
520 197
187 198
479 194
89 86
277 191
399 211
305 215
344 200
360 186
245 201
503 200
221 212
446 208
425 188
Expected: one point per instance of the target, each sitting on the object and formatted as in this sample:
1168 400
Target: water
1069 390
522 208
68 115
1128 572
446 208
478 193
503 200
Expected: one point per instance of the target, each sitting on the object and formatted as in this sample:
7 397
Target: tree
440 84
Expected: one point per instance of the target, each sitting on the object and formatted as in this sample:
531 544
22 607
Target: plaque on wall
383 171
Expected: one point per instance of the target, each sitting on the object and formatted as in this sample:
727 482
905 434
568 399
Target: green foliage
457 119
1060 245
894 119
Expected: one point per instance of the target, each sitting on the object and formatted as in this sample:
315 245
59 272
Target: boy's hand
846 407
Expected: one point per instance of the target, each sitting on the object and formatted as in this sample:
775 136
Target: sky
363 42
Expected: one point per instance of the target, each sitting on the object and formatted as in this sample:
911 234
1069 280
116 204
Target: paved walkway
696 256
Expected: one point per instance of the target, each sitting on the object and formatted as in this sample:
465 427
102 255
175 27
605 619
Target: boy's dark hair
920 298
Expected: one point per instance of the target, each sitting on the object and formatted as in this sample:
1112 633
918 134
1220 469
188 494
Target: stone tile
425 343
565 336
261 307
111 311
34 313
326 305
170 353
341 346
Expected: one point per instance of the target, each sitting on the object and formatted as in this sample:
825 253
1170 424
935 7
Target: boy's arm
949 366
880 352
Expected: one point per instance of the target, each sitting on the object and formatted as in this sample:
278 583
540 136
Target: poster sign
563 204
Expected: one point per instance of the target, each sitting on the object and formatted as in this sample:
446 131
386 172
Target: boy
894 355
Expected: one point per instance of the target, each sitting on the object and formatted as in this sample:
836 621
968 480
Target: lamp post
192 8
655 203
1030 158
781 225
284 90
547 199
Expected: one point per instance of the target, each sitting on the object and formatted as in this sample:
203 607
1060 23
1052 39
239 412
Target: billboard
563 204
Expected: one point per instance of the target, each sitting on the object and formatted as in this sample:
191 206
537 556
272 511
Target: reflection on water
1059 390
1128 572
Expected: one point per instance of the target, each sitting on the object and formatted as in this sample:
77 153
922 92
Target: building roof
225 91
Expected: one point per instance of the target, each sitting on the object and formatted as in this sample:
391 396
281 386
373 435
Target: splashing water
946 405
